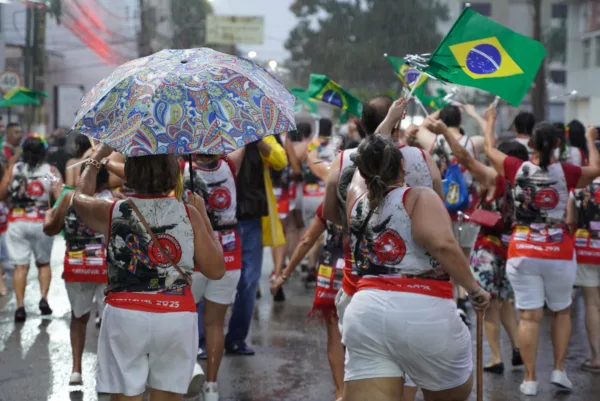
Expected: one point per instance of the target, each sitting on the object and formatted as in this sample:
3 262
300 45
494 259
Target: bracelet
477 291
93 163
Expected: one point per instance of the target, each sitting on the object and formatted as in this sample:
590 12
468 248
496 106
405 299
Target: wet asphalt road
290 364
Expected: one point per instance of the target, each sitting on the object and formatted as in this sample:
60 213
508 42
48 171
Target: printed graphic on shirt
535 195
137 263
28 190
587 236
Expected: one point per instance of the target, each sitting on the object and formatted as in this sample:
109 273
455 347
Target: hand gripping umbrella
184 102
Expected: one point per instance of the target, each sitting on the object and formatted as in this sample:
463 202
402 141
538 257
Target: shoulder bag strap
360 235
156 242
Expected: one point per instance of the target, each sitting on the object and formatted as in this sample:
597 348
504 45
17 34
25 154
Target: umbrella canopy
22 97
183 102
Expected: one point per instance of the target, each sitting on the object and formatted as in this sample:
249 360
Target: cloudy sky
278 23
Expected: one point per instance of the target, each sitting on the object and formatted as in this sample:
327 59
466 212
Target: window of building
559 11
586 53
484 9
597 50
558 76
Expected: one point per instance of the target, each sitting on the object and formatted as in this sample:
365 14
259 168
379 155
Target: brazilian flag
435 102
303 98
324 89
407 74
483 54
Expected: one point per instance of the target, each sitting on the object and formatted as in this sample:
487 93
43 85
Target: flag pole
422 107
496 101
415 85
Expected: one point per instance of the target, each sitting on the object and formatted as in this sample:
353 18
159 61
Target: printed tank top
217 185
29 192
387 247
135 263
587 236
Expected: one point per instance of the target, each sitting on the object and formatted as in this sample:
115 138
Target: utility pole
39 61
539 95
147 28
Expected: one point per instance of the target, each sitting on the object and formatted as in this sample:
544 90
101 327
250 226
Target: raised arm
394 116
237 157
293 158
432 230
55 217
592 171
94 212
481 173
489 145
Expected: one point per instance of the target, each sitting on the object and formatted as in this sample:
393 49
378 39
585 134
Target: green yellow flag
324 89
407 74
481 53
302 98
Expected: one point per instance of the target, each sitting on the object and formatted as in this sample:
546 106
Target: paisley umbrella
183 102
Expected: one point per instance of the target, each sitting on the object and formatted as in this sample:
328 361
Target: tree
346 40
188 19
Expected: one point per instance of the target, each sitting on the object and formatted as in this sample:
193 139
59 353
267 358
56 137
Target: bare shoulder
421 197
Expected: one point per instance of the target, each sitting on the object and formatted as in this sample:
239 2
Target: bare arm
95 213
330 204
70 173
489 144
208 254
436 176
316 166
432 230
6 179
590 172
470 110
237 157
304 245
55 217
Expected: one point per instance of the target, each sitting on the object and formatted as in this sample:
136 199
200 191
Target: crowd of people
399 231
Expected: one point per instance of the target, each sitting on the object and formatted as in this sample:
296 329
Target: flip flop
588 367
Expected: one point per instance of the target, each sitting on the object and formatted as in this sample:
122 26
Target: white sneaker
528 388
197 381
210 392
75 379
559 378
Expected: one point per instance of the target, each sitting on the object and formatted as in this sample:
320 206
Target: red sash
587 248
434 288
283 201
350 280
232 249
329 282
525 243
180 300
492 243
31 213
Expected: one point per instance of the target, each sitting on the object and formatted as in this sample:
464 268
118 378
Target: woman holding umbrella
153 242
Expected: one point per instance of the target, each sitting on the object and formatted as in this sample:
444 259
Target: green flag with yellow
407 74
324 89
483 54
302 98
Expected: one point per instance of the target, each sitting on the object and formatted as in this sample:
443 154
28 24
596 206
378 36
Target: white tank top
221 199
417 171
387 239
441 147
540 196
29 191
136 264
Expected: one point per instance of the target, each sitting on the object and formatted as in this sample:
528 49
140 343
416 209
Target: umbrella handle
191 173
479 355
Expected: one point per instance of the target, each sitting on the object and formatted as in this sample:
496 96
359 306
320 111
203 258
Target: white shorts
342 300
143 349
81 297
588 275
467 235
392 334
218 291
26 238
535 280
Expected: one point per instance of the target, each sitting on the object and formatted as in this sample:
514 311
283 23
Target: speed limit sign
9 80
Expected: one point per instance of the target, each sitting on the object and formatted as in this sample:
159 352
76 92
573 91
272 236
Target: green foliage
188 19
555 41
55 9
346 40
